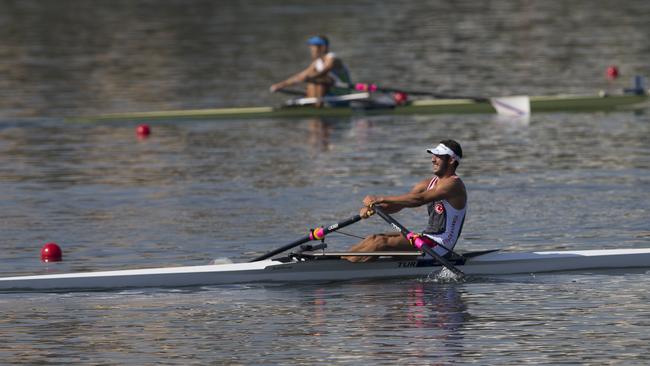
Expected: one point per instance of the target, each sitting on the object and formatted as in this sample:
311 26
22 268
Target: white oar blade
516 106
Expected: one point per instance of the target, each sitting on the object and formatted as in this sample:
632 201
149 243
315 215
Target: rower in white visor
445 196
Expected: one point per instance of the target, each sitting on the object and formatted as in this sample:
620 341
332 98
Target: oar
305 101
315 234
422 247
363 87
517 106
291 92
376 88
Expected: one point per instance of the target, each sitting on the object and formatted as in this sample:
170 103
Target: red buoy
400 98
143 131
612 72
51 252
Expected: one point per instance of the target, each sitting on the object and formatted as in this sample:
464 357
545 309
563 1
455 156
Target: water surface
199 190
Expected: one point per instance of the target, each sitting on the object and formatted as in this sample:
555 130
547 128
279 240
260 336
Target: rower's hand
370 200
419 240
366 212
413 238
275 87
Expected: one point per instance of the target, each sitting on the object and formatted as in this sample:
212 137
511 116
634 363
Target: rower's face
316 51
440 163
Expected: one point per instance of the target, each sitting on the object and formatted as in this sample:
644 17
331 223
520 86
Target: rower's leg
379 243
319 87
317 91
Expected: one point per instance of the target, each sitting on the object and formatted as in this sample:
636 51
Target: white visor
441 149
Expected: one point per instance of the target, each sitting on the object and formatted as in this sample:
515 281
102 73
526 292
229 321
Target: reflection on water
436 307
305 323
382 322
320 130
319 134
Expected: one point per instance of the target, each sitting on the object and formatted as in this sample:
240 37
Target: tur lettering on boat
409 264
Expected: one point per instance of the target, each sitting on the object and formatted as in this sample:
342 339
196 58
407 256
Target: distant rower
326 75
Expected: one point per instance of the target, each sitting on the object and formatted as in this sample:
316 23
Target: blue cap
317 41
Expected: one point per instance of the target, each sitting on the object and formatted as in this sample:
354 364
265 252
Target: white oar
515 106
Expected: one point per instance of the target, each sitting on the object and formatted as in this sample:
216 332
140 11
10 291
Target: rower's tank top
445 222
340 75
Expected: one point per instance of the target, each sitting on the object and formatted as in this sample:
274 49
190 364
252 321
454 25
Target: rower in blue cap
326 75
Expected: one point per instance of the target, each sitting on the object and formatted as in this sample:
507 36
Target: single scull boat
301 108
322 266
312 263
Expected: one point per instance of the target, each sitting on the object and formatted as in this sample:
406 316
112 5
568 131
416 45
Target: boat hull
556 103
493 263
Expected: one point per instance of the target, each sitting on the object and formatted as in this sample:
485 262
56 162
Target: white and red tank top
445 222
341 75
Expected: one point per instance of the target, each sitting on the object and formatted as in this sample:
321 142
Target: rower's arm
294 79
417 198
393 206
328 65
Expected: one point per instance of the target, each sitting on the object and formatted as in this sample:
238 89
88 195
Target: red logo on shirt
440 208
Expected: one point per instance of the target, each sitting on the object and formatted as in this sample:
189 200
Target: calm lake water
202 190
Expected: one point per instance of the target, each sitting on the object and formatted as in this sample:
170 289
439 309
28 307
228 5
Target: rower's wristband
418 241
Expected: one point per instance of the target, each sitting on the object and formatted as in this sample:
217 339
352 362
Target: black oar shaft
373 87
307 238
292 92
389 219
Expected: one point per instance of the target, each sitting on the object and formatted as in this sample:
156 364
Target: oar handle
404 231
314 234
